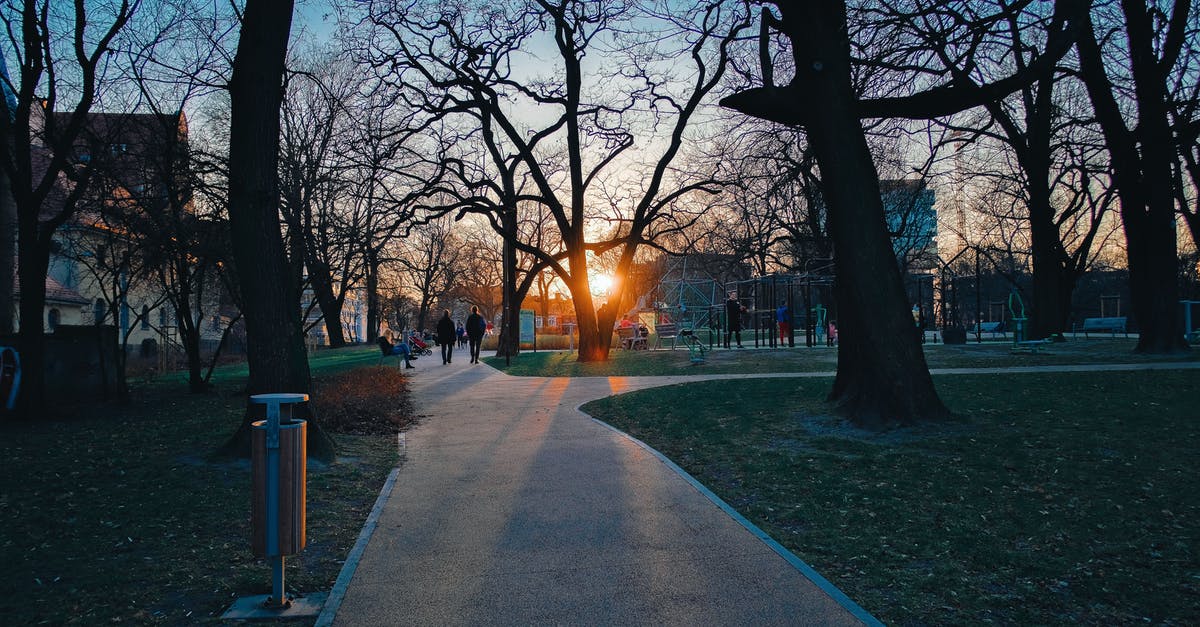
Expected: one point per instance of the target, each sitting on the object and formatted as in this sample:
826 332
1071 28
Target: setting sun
601 284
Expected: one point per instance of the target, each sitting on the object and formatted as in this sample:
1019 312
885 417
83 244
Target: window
52 319
145 317
98 312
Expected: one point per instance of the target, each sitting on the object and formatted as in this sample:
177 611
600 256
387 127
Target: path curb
334 602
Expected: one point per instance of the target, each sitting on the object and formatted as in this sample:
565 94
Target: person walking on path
476 327
445 336
733 315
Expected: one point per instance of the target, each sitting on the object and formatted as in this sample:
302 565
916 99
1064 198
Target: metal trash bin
10 378
293 475
278 473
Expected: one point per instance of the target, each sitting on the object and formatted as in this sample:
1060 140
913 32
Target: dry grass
117 516
1063 498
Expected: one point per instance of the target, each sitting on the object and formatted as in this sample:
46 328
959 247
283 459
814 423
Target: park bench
666 331
995 328
1098 325
385 351
630 339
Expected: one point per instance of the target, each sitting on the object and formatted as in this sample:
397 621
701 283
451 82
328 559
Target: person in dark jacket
733 315
445 336
476 327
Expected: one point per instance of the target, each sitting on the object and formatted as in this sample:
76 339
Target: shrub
544 342
364 401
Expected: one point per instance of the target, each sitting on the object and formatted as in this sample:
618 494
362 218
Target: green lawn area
1062 498
117 515
818 359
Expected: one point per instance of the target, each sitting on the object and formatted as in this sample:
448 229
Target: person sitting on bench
401 349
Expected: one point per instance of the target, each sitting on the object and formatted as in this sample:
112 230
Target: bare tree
1142 41
481 272
459 66
882 377
1045 131
429 265
184 61
314 171
275 340
1184 87
63 54
386 178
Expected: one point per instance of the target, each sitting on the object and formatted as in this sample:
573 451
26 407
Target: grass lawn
819 359
1063 498
117 515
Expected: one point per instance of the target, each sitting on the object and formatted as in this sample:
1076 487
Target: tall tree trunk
274 335
1141 161
32 269
371 269
509 342
8 252
189 333
595 326
1052 280
328 302
882 378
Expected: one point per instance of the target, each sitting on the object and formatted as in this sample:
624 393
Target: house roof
56 293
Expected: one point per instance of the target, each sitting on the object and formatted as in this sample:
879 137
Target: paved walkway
513 507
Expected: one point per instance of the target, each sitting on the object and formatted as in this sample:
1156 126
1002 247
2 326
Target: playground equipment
695 301
1016 307
695 348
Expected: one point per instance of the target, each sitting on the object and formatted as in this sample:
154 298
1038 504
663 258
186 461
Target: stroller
417 346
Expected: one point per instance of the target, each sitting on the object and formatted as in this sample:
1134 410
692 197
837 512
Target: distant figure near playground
445 336
733 313
783 316
476 327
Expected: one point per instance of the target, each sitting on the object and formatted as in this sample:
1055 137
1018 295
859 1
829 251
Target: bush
364 401
544 342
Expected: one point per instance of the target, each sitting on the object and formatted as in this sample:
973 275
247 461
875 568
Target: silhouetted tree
882 377
274 338
1143 41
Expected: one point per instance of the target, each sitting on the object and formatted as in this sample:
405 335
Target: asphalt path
512 507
